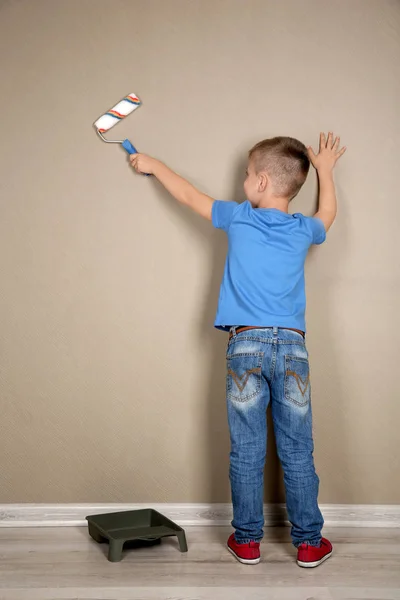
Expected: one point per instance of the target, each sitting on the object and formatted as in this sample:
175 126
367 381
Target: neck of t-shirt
280 204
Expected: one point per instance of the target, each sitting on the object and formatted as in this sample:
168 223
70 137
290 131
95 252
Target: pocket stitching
296 375
231 396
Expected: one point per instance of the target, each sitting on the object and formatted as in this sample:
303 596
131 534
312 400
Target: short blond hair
285 160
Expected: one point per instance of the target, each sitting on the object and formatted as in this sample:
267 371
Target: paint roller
113 116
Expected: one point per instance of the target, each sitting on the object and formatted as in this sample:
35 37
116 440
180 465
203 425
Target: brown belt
240 329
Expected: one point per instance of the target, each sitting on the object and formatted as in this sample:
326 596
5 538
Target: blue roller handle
130 148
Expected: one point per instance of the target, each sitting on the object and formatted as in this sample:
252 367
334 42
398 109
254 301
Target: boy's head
277 167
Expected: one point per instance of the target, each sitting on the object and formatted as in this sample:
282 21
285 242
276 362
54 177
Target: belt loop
233 330
275 332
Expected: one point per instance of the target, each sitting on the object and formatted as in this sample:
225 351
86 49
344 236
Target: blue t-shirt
263 283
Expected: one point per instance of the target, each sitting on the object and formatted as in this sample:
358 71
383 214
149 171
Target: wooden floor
64 563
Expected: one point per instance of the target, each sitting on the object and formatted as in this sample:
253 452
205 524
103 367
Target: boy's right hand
328 154
324 162
143 163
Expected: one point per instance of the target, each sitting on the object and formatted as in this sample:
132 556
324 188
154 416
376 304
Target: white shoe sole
311 565
244 561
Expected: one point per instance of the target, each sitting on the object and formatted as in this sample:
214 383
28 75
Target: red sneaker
312 556
248 554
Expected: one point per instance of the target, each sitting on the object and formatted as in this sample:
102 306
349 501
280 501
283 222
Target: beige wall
111 375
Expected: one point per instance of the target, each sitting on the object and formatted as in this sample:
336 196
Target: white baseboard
186 515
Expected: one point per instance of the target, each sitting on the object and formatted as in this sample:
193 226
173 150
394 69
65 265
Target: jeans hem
314 543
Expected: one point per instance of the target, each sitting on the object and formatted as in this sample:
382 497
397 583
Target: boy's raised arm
177 186
324 163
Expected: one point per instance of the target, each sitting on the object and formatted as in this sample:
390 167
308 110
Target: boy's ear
262 182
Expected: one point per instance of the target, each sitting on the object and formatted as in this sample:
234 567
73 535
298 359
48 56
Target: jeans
263 366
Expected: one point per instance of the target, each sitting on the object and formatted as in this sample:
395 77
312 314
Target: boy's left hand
142 163
328 154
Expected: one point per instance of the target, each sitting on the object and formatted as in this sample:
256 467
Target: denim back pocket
297 380
243 381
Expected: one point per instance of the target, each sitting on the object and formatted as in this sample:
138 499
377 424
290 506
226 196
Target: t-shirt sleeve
316 229
222 213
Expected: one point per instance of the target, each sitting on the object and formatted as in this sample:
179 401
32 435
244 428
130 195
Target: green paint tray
144 527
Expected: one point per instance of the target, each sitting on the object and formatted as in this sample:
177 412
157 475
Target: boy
262 305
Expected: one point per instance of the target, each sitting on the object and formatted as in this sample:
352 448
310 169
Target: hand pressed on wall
328 154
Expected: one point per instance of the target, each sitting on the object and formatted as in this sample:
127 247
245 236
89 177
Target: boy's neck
275 202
